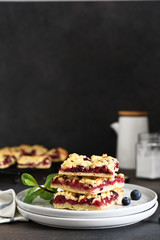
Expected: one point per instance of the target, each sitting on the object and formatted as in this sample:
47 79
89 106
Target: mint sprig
45 192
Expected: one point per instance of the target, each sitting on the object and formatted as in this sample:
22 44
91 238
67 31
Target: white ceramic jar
129 125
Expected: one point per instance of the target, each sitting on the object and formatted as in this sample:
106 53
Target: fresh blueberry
126 201
135 195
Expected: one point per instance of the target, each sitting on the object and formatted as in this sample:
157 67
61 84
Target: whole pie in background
27 156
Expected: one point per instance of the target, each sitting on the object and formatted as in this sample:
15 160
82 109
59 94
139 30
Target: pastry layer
98 166
76 201
58 154
87 185
34 162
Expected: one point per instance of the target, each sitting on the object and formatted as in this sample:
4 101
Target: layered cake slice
75 201
58 154
87 185
98 166
34 162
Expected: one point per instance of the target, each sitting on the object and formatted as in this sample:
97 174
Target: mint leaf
46 195
30 198
28 180
49 180
30 190
45 192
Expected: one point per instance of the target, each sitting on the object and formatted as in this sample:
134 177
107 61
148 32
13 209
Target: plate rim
55 212
128 219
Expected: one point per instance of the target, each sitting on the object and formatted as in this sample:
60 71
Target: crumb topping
95 161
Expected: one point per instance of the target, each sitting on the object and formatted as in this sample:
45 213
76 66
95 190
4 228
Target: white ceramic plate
96 223
43 207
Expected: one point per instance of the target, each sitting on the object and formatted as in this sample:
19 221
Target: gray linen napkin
8 210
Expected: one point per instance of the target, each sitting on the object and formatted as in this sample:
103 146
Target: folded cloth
8 210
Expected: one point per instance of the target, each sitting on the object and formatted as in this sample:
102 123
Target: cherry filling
32 153
79 168
15 159
54 156
46 161
86 159
117 165
60 199
26 164
7 160
79 185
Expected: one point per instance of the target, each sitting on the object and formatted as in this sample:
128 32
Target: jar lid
132 113
149 137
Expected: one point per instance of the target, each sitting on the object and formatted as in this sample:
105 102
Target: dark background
67 68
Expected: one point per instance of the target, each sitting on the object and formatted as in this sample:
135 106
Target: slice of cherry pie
27 150
88 202
34 162
98 166
7 158
87 185
58 154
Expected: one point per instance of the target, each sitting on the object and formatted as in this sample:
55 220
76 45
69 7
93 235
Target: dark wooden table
148 229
